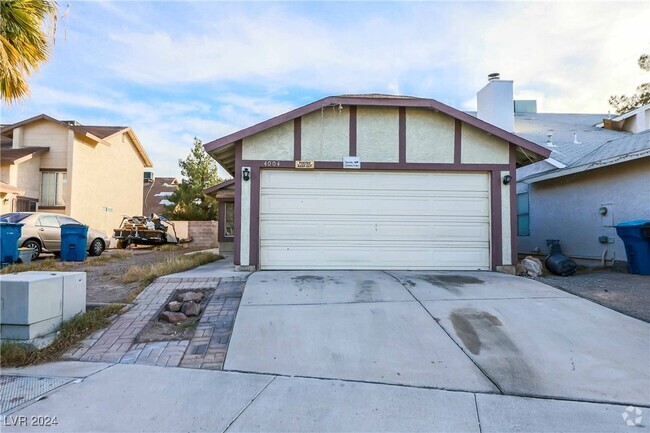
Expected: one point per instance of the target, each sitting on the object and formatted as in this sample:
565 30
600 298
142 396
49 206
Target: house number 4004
271 163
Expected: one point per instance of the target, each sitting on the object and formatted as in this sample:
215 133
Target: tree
623 104
199 172
25 43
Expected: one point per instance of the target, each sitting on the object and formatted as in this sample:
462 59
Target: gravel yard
104 273
626 293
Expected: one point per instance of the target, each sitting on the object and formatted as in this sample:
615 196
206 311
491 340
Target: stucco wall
8 174
566 208
107 182
479 147
28 177
203 233
274 144
325 135
378 134
48 134
429 136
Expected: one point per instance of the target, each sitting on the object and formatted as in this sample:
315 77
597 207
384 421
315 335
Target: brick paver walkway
207 349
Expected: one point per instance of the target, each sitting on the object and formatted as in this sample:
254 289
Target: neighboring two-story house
92 173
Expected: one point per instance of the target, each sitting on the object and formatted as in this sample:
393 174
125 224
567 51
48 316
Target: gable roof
213 189
10 156
216 147
96 133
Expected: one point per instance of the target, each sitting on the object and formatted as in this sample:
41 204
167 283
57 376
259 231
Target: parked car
41 232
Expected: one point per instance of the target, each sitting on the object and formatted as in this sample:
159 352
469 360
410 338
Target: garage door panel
383 181
374 205
457 231
342 256
374 220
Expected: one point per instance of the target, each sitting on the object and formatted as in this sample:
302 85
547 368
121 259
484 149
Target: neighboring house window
523 215
25 205
52 188
229 218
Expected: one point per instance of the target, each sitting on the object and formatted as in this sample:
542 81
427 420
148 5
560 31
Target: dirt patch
161 330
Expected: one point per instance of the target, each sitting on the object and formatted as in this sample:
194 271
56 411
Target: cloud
174 71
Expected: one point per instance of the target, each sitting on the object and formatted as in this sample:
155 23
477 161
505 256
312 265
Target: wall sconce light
602 211
246 174
506 179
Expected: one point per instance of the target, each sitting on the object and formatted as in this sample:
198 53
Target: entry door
374 220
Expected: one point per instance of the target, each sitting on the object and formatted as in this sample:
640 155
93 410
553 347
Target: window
25 205
52 188
67 220
229 218
48 221
523 216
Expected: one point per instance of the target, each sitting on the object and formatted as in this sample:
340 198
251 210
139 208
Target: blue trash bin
74 238
636 237
9 236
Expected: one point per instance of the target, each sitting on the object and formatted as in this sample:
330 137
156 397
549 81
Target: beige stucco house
373 182
92 173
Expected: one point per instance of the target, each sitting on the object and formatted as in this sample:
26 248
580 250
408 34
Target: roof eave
614 160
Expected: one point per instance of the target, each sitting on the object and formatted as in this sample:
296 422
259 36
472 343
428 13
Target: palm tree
25 42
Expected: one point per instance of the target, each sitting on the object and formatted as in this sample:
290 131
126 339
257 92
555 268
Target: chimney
495 103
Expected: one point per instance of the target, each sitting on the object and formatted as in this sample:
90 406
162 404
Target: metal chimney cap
494 76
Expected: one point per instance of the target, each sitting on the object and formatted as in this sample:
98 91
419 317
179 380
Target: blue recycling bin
74 238
9 236
636 237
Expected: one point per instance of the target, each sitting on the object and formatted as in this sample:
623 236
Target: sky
178 70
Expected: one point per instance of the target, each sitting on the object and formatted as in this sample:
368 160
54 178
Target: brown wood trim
58 170
237 177
402 135
297 138
52 207
416 166
353 130
495 218
513 205
458 125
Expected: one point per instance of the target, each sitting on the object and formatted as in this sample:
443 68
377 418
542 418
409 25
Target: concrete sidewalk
129 398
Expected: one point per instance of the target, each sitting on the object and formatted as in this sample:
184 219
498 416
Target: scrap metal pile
142 230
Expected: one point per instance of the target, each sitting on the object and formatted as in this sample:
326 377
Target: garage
374 220
375 182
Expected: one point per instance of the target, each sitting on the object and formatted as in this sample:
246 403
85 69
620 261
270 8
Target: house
156 193
598 175
376 182
91 173
224 193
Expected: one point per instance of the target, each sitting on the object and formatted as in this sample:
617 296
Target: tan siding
326 134
275 143
378 134
429 136
479 147
48 134
106 177
28 177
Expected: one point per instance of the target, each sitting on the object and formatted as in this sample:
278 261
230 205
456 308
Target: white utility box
74 291
33 304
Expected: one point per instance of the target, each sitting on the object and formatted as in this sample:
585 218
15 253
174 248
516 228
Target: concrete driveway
481 332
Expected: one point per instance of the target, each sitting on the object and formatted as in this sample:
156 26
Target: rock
174 306
172 317
506 269
191 308
532 267
520 270
190 296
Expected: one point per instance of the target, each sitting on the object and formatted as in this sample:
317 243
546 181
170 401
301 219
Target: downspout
602 258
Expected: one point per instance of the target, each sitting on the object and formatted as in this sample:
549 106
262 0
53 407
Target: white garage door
374 220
